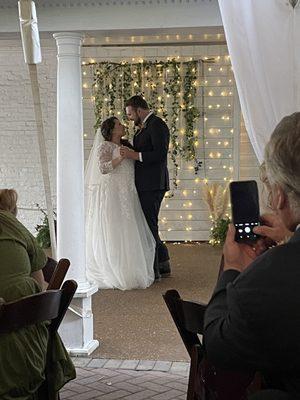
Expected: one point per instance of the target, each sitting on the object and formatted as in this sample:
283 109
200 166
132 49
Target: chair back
49 268
58 275
67 293
206 382
45 306
29 310
188 317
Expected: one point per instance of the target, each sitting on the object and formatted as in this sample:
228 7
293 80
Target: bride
120 247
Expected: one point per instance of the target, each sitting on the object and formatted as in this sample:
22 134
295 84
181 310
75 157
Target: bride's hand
124 151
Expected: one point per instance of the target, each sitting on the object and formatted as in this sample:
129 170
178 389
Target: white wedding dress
120 247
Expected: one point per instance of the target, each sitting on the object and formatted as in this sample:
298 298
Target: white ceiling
123 22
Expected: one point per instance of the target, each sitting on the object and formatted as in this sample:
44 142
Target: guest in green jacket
23 354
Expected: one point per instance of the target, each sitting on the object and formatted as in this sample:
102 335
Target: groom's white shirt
145 119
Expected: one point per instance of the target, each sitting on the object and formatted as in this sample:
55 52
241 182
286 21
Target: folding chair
50 305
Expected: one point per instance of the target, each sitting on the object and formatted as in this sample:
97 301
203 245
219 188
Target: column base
76 329
84 351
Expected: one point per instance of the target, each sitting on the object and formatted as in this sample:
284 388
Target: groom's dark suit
151 175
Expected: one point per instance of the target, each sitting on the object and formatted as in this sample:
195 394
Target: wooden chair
206 382
50 305
54 273
188 318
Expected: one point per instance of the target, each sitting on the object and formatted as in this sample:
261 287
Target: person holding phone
252 322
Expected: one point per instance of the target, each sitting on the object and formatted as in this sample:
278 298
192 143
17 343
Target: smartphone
244 209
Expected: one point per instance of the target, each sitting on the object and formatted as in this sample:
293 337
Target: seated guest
23 353
252 322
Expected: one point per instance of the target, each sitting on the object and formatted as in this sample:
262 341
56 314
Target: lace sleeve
105 158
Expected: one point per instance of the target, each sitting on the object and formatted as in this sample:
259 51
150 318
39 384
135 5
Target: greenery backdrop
170 87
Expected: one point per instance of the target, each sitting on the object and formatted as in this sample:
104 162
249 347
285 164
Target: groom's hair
137 102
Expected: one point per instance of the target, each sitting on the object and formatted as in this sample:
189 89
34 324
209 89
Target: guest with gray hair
252 322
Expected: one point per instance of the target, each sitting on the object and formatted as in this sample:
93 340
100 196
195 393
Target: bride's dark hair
107 128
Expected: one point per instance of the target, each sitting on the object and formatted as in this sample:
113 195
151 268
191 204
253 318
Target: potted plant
43 232
216 197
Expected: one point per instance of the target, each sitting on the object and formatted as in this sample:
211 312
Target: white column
77 328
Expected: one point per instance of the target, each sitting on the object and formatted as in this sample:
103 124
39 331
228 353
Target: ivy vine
170 88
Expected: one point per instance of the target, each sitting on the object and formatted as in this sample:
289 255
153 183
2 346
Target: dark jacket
252 322
153 142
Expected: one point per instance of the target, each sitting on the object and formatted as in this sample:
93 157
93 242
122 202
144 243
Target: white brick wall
19 153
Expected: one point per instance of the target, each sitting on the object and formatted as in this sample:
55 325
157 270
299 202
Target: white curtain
263 38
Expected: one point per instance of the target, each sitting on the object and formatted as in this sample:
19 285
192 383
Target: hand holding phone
245 209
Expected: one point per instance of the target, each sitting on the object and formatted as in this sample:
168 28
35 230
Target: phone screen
245 209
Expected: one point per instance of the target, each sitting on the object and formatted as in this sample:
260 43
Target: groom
151 143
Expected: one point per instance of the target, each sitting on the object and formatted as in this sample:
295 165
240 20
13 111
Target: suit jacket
252 322
153 142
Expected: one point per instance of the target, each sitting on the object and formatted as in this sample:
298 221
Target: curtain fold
263 39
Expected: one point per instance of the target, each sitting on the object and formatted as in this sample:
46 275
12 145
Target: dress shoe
157 275
164 268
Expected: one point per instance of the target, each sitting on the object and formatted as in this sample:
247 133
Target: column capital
68 43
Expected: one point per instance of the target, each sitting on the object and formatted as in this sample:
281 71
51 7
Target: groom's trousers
150 202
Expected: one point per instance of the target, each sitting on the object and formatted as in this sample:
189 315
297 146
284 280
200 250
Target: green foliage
168 85
219 231
43 231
